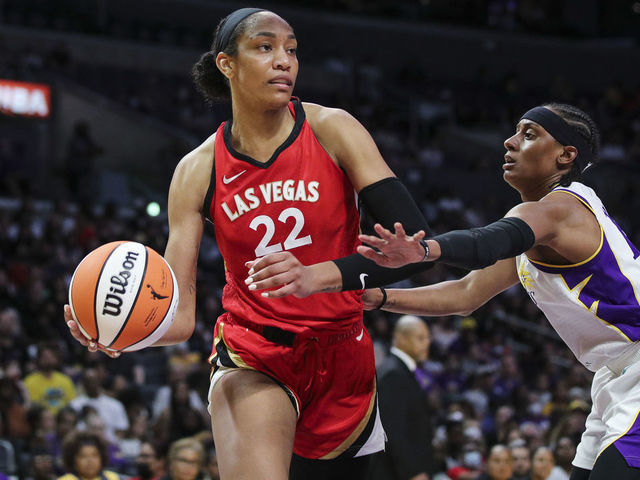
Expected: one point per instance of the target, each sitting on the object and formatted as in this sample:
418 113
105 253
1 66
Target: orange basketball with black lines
123 295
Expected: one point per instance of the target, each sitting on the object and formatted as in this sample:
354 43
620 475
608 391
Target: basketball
123 295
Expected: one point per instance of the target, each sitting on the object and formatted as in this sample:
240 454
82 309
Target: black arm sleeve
480 247
386 202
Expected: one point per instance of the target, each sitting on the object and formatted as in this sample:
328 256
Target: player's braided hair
586 127
209 80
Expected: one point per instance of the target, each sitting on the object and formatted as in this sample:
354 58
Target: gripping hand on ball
91 345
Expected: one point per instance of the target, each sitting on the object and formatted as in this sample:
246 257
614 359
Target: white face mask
472 459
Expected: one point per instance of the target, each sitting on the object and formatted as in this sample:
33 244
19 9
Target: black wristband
356 270
384 298
423 242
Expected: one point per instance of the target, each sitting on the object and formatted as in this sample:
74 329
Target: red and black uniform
316 347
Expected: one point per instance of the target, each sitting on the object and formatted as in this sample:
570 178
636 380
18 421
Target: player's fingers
77 334
287 265
272 281
399 230
384 233
67 313
373 241
419 235
266 261
283 291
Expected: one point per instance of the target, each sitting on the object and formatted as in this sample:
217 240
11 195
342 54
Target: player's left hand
91 345
396 249
281 270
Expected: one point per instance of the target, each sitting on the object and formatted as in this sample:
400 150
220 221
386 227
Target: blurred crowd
500 377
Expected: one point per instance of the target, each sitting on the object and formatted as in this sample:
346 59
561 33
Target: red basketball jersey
298 201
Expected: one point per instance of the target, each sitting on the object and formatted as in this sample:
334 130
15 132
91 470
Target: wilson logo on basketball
112 298
113 301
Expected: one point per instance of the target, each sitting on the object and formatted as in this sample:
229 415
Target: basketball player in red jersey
290 374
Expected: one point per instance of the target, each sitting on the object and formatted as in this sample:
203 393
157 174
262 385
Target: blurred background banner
25 99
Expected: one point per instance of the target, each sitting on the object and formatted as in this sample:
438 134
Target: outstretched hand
91 345
281 270
394 249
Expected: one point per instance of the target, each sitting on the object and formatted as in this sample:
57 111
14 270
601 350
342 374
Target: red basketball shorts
329 378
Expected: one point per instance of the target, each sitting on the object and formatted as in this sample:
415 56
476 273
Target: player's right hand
91 345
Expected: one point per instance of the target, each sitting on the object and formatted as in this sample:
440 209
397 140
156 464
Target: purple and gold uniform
595 307
316 348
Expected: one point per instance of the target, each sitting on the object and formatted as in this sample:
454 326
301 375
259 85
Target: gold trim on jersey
535 262
622 434
593 308
358 430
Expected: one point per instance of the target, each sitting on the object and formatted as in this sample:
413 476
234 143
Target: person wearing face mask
149 464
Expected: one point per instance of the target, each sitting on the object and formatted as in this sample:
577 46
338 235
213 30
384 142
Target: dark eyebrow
271 34
526 124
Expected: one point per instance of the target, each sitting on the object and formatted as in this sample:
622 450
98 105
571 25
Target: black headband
229 25
559 129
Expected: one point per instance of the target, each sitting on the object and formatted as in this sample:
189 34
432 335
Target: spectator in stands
66 421
162 399
521 456
150 464
92 422
499 464
186 459
543 466
180 419
403 406
42 424
12 341
48 386
42 466
564 453
85 456
13 411
110 409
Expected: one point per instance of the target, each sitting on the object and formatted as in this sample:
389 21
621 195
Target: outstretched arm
558 221
454 297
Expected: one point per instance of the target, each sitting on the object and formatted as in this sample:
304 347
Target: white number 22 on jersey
292 241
